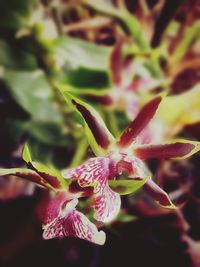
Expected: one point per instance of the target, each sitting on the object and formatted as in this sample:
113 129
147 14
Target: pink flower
61 219
122 155
97 178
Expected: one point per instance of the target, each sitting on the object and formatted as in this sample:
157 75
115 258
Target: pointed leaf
179 150
26 154
139 123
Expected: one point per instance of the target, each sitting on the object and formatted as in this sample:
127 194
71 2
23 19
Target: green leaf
182 109
33 93
14 171
130 21
125 218
190 35
13 58
49 133
78 53
26 154
87 78
15 13
125 187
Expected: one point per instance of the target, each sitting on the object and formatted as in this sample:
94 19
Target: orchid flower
98 178
121 155
129 79
60 217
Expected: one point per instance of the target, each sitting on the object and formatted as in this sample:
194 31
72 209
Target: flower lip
124 166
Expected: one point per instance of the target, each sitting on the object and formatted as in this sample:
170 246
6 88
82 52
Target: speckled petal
77 224
63 220
94 172
106 204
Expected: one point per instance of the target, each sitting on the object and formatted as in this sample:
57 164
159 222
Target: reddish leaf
93 172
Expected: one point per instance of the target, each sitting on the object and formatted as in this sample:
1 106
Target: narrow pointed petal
63 220
98 135
105 100
26 174
139 123
116 63
178 150
50 176
98 129
158 194
93 172
106 205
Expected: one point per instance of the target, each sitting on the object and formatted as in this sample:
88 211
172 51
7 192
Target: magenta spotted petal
106 205
77 224
96 172
93 172
63 220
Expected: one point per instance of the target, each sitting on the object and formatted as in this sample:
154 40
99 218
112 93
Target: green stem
129 20
191 34
112 122
133 26
80 152
56 14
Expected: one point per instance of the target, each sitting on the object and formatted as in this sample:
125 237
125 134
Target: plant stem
190 35
80 152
